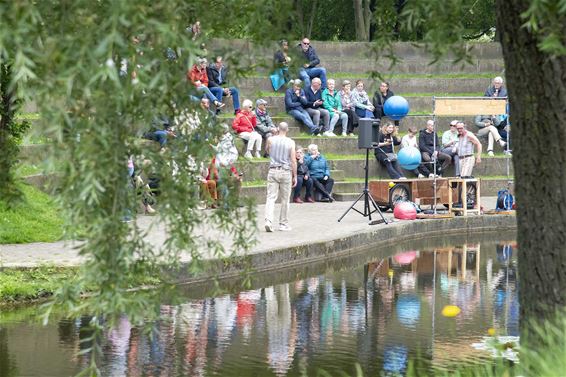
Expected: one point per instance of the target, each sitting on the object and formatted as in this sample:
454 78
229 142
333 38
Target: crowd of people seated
314 100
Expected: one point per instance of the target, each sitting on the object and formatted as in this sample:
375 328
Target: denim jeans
235 97
159 136
343 117
300 183
306 74
302 116
208 93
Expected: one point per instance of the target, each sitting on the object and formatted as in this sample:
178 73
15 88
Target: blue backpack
504 201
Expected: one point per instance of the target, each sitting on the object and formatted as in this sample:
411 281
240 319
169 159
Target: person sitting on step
411 140
244 124
364 108
349 106
295 100
309 69
385 152
430 150
380 96
218 77
487 127
265 126
331 102
314 107
199 77
449 145
303 179
320 173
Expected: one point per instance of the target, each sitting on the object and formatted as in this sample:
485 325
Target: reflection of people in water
223 325
246 306
505 295
281 329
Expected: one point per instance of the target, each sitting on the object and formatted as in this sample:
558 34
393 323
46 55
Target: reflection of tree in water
7 365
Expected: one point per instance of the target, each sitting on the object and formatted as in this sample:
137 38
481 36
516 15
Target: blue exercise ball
396 107
409 158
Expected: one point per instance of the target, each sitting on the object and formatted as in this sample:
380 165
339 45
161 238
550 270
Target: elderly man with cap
449 145
265 126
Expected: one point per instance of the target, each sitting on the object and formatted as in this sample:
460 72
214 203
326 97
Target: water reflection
380 315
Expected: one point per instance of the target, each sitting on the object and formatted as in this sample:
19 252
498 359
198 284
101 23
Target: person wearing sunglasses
309 69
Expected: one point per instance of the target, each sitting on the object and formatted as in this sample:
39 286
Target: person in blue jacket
309 69
320 173
295 99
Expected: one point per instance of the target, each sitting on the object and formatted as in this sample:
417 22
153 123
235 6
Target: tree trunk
537 94
367 19
359 21
312 18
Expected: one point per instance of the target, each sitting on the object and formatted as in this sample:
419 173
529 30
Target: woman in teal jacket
332 103
320 173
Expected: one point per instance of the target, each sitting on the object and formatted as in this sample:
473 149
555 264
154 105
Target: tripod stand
367 199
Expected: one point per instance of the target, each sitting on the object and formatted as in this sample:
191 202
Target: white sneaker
327 133
490 153
502 143
421 175
431 175
320 134
330 133
257 154
284 228
268 228
344 134
402 177
248 154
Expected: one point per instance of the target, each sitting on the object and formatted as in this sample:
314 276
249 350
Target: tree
533 38
362 19
99 74
11 133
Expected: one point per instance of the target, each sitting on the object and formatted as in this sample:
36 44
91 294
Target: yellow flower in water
390 273
491 331
450 311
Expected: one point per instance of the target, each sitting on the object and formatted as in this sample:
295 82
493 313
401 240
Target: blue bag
504 201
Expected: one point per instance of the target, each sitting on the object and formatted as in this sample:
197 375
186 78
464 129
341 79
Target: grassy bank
35 219
32 284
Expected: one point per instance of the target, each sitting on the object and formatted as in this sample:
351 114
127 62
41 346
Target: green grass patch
35 219
24 285
29 284
28 116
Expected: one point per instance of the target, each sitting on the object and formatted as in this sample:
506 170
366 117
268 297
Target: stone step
257 169
397 85
346 50
276 103
349 191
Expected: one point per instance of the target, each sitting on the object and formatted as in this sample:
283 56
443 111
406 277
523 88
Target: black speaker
368 133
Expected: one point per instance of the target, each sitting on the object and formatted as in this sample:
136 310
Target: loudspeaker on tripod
368 135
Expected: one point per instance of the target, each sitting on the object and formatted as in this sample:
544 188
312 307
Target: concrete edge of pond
381 236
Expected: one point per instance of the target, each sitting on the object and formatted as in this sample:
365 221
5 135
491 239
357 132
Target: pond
378 309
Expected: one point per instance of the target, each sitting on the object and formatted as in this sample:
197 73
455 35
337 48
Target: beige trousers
279 184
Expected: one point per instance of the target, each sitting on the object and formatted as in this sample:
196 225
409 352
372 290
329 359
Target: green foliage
35 219
99 75
546 19
11 133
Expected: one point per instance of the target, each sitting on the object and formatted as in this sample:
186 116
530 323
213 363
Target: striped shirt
280 152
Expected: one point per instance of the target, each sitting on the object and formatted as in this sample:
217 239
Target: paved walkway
311 222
